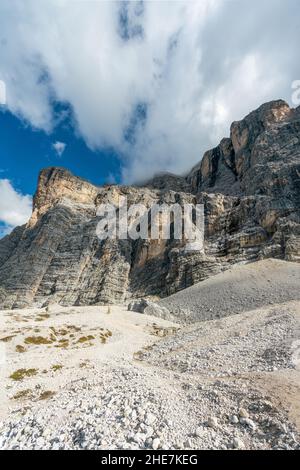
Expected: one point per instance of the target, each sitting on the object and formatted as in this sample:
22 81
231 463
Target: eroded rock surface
249 185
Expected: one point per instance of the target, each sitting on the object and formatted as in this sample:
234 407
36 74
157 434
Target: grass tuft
6 339
20 374
47 394
42 316
37 340
57 367
84 339
23 394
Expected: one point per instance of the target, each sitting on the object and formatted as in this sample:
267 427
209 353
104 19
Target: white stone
188 444
155 444
234 419
150 419
40 442
199 432
212 422
238 443
243 413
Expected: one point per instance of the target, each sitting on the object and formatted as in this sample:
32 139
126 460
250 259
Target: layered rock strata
249 185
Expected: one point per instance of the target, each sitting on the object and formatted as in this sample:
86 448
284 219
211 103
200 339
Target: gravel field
99 378
239 289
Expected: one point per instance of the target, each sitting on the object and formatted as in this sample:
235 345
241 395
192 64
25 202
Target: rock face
249 185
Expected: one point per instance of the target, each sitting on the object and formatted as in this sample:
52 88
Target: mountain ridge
249 185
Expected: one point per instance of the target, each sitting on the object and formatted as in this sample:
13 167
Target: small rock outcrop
149 308
138 305
249 185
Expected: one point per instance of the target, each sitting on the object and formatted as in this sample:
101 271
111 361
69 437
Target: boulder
149 308
138 305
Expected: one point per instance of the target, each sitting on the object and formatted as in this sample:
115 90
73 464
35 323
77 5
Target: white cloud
59 147
15 208
196 65
2 93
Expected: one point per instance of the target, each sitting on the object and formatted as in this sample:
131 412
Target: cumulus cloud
59 147
159 81
15 208
2 93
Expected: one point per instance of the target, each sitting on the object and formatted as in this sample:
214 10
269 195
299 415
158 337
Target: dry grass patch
37 340
23 394
20 348
21 374
105 335
84 339
84 364
59 332
7 339
56 367
139 355
74 328
62 343
163 332
46 395
42 317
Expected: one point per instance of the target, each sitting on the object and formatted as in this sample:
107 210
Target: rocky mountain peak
257 142
250 188
168 181
55 184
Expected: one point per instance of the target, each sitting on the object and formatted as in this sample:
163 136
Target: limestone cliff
249 184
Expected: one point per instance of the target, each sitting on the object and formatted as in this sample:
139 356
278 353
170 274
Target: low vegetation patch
21 374
42 316
140 355
19 318
37 340
23 394
163 332
7 339
20 348
62 343
84 364
84 339
57 367
46 395
104 335
61 332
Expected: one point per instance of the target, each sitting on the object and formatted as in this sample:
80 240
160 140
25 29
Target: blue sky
128 89
24 151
